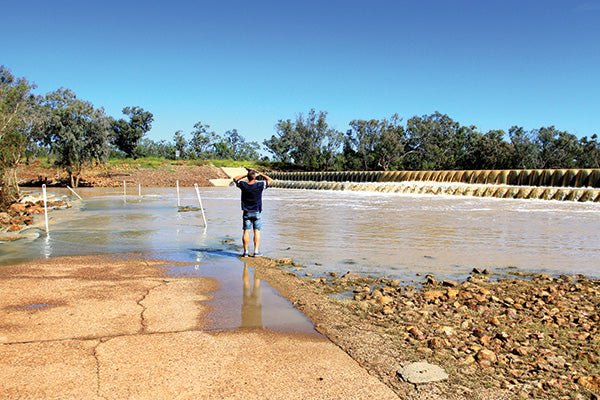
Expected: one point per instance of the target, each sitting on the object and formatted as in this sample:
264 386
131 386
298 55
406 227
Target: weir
543 184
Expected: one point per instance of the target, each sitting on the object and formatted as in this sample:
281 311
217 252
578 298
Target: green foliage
18 124
374 144
307 142
77 133
127 134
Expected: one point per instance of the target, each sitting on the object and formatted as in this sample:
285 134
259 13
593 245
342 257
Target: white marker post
45 208
178 199
124 189
140 189
201 207
74 192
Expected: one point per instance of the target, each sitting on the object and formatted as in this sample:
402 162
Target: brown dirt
35 174
512 338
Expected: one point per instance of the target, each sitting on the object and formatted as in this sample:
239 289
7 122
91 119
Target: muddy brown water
373 233
376 233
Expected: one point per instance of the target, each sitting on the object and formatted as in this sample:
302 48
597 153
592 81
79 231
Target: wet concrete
125 328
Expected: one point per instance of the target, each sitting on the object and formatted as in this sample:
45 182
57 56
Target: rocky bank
497 337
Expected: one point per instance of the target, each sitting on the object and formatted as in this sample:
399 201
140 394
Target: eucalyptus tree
77 132
19 123
308 141
127 134
558 149
202 141
181 145
434 141
525 152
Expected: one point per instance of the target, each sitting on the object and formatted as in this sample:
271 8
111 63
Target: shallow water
376 233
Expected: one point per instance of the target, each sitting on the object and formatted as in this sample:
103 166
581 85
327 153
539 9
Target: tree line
75 134
428 142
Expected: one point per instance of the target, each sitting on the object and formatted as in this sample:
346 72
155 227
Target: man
252 207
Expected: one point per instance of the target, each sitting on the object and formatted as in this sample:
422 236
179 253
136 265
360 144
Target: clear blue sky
246 64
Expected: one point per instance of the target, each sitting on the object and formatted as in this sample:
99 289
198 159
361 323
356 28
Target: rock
590 382
387 310
452 293
495 321
521 351
308 274
485 340
415 332
363 289
422 372
14 228
486 355
446 330
384 300
17 207
430 280
351 276
436 343
469 360
433 295
450 283
4 218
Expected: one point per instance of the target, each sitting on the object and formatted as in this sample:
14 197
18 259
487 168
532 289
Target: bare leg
246 239
256 241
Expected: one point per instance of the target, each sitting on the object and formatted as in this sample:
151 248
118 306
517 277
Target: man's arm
238 178
266 178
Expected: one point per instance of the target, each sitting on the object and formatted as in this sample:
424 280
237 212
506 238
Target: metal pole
74 192
45 208
178 200
200 201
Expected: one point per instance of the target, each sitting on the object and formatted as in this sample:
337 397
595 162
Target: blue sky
247 64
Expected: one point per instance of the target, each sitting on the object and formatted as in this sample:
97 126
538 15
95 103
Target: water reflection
251 300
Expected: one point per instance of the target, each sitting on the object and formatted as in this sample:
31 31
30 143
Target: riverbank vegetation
73 135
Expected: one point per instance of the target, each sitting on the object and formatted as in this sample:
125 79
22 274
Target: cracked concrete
92 341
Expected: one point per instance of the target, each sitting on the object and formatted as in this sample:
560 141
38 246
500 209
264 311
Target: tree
490 151
180 144
589 152
77 133
558 149
308 142
202 141
525 153
127 134
18 108
375 144
435 142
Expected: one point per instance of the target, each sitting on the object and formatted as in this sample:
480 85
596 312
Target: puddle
36 306
242 300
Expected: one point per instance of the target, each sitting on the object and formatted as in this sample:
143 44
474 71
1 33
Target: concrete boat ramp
106 328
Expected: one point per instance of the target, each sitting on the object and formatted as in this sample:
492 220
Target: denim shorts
252 220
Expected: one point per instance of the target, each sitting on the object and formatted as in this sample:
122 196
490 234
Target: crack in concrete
143 322
95 354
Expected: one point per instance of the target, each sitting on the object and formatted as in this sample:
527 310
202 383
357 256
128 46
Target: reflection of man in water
251 306
252 207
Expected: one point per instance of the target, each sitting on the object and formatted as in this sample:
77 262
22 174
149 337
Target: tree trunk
10 189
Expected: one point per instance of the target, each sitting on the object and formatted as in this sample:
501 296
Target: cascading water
544 184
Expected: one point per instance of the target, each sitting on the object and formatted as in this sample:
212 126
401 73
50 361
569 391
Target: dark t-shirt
252 195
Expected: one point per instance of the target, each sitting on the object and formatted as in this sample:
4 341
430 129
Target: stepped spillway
558 184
